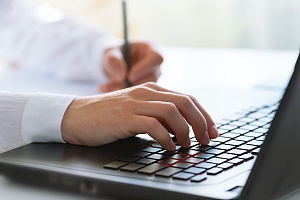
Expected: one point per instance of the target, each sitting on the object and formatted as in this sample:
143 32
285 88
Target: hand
147 108
145 61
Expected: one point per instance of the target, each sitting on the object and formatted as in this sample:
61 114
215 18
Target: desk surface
214 76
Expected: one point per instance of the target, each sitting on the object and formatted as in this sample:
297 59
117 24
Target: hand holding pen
130 64
145 66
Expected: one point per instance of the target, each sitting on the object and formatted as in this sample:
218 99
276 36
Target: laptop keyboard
240 140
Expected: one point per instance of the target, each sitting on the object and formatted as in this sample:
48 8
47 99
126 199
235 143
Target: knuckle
150 84
185 101
139 91
203 125
152 122
192 98
170 109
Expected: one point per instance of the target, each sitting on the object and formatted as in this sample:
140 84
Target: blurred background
262 24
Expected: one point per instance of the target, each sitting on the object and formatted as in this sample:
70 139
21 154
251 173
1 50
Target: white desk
221 79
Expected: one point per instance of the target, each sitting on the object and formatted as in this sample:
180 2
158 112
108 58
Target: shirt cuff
42 117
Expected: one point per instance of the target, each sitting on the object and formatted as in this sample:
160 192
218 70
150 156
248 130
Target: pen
126 43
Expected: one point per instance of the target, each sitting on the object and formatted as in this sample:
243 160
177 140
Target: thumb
114 65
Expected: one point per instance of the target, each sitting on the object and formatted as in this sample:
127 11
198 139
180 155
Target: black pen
126 43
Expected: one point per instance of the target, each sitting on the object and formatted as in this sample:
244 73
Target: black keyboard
240 140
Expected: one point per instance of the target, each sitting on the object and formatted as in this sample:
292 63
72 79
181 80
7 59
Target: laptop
255 157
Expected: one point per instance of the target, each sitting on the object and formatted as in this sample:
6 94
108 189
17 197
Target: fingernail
206 139
214 133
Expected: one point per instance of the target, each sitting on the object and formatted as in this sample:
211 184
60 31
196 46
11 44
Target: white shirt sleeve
41 37
31 117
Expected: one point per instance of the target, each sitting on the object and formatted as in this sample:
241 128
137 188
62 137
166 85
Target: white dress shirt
42 38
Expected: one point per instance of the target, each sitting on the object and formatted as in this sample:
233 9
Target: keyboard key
145 161
222 131
200 148
226 156
240 131
220 139
214 171
267 126
204 156
199 178
216 160
246 157
168 172
193 160
150 169
237 151
246 119
206 165
182 165
183 176
195 170
246 147
257 115
228 127
179 156
132 167
157 156
261 130
194 143
213 143
235 142
255 151
151 150
244 138
140 154
115 165
167 153
266 119
187 151
225 166
236 161
230 135
253 134
168 161
261 138
237 123
214 151
257 123
255 143
224 147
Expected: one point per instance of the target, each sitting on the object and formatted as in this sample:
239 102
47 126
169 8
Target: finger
145 66
169 116
212 130
114 65
185 106
154 128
